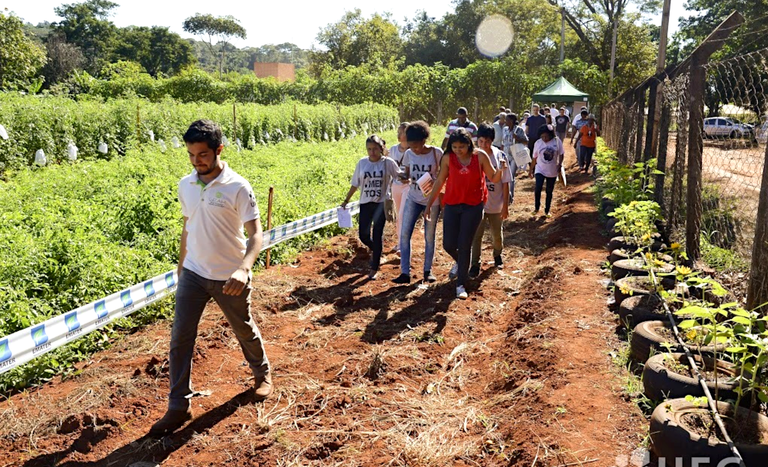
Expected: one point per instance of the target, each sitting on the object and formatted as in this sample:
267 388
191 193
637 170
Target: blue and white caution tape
27 344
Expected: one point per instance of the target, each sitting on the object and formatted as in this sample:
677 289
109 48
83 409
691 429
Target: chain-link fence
706 124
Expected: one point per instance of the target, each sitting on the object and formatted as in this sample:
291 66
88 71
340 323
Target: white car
727 127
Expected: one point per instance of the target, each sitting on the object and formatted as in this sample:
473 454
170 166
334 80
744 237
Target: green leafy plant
637 222
74 233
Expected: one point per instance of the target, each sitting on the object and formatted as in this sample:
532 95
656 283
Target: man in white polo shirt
215 261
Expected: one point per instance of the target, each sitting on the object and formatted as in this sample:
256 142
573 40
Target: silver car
728 128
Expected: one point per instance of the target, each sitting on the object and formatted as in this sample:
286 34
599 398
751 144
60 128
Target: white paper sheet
345 218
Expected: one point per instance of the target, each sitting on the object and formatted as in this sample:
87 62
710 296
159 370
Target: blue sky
265 22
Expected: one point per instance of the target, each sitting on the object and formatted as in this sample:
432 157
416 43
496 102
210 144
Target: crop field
75 232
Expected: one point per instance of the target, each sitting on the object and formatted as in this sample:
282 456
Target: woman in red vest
465 168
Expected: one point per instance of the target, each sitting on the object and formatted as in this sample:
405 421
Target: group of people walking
470 180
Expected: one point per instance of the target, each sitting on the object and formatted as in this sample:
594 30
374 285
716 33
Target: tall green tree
705 15
223 27
157 49
87 26
355 40
20 56
592 22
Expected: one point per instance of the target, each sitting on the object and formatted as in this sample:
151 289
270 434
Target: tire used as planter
646 336
672 435
637 285
607 205
622 242
660 382
636 267
641 308
620 253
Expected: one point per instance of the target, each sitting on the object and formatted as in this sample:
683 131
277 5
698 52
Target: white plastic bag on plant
3 133
71 151
40 157
266 136
239 144
103 148
325 136
175 142
224 141
163 147
151 135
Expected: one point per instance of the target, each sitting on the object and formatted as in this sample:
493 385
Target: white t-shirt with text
373 179
420 164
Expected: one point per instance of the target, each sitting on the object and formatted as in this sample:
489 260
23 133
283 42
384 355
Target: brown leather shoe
262 386
171 421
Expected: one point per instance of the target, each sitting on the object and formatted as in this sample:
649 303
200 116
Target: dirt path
370 374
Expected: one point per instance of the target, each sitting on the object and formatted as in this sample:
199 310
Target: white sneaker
454 271
461 292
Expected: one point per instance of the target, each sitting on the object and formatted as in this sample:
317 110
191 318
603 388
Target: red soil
368 373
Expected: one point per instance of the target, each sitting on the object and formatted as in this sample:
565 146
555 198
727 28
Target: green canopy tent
561 91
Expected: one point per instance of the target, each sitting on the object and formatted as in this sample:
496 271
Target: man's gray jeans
192 296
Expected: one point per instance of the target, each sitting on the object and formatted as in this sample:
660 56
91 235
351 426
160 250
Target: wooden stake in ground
757 295
269 220
698 76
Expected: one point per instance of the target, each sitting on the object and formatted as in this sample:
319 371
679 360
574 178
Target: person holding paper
548 157
515 142
373 175
497 204
421 162
465 169
215 261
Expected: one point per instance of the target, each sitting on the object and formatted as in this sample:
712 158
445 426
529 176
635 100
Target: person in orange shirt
588 138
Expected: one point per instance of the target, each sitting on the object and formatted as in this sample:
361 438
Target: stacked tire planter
666 374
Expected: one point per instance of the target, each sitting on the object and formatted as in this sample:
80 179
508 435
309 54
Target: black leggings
373 213
550 189
460 222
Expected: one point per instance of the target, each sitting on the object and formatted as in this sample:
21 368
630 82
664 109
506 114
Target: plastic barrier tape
27 344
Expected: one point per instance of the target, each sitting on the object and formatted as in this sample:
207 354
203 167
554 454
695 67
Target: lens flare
494 36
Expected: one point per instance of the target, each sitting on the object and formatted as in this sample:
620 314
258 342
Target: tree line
86 40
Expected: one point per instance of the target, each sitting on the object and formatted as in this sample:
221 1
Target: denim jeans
373 214
585 154
460 222
540 178
411 214
192 296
